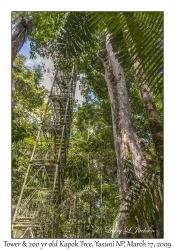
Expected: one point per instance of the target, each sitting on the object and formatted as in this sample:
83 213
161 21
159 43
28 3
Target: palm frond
145 197
135 36
75 35
143 38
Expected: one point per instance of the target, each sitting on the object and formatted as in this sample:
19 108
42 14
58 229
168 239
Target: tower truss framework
41 191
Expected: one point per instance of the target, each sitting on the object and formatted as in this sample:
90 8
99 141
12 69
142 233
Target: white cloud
78 95
49 74
30 62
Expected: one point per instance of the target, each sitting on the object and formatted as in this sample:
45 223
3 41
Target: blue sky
25 49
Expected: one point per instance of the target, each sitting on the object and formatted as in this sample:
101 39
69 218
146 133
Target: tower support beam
41 190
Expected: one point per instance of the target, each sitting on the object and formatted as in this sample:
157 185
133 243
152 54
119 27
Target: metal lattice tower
42 188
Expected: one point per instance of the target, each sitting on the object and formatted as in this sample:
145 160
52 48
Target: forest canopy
111 178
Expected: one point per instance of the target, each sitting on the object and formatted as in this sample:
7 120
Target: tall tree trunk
125 137
17 17
121 148
22 31
155 124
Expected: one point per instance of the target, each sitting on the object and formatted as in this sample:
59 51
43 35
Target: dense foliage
91 196
90 187
27 107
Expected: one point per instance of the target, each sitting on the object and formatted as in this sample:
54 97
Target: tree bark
120 147
155 124
22 31
126 139
17 17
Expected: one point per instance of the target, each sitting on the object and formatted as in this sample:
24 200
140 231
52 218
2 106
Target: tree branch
103 62
17 17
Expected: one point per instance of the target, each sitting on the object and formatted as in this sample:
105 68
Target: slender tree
23 29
